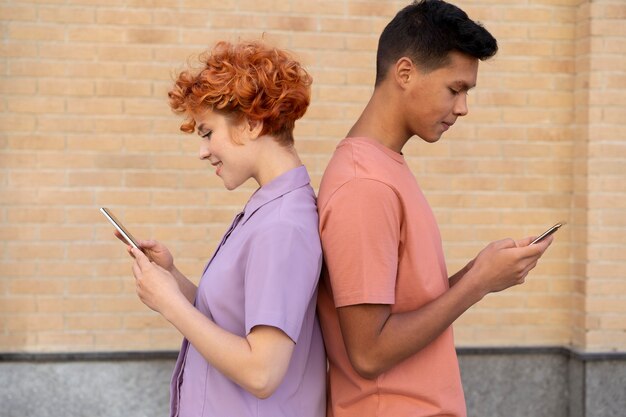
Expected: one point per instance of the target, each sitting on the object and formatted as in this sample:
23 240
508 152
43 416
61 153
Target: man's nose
460 107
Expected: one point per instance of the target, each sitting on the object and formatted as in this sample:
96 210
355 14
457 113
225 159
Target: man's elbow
367 366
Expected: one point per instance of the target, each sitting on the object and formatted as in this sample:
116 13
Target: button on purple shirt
264 272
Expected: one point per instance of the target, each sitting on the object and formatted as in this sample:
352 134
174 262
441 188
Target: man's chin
429 138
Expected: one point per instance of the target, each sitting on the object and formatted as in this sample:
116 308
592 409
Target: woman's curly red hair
245 79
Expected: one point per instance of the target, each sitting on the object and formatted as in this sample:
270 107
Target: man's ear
403 70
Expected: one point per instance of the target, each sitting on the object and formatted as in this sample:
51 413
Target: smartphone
120 228
547 233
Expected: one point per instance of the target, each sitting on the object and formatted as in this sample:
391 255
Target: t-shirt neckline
398 157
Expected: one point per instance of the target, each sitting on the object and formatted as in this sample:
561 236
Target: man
386 303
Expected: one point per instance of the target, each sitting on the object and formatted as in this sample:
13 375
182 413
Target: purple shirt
264 272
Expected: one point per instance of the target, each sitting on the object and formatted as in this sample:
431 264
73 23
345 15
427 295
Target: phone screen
120 228
547 233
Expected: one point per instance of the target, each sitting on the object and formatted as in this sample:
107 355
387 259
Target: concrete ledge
498 382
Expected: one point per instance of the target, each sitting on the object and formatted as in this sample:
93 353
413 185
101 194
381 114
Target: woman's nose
204 151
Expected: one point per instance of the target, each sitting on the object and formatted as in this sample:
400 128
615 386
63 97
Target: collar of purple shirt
283 184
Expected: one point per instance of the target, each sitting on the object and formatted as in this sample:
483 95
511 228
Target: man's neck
379 122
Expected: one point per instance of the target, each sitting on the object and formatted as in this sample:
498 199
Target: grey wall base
543 382
507 382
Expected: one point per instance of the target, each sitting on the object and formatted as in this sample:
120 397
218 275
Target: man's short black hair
427 31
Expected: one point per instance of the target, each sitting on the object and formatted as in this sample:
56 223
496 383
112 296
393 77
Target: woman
252 344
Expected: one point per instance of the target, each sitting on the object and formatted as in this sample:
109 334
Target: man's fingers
505 243
525 241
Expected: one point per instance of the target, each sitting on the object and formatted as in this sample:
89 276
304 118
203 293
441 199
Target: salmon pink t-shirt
382 245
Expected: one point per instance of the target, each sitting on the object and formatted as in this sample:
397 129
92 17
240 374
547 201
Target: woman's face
234 162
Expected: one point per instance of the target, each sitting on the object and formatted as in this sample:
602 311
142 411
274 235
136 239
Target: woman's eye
207 135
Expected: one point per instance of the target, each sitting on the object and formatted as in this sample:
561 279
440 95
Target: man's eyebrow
464 86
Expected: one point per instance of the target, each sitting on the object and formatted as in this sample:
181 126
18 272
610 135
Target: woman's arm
257 362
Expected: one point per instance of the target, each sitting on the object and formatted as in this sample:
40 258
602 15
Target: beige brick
526 48
36 105
151 215
17 232
372 8
15 305
78 342
151 179
66 15
60 161
152 36
35 322
36 286
93 322
16 123
126 16
12 268
90 286
97 70
321 41
41 251
18 12
18 50
131 340
149 107
64 305
333 24
35 32
123 197
98 34
321 7
56 124
176 197
99 178
36 142
145 322
122 125
189 216
154 70
171 4
60 87
119 304
167 233
123 88
21 86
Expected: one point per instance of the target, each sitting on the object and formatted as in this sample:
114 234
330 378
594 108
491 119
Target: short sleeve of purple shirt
264 272
281 277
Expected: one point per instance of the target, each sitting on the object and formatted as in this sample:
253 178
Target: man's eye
453 91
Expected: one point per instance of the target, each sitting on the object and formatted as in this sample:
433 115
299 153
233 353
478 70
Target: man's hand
505 263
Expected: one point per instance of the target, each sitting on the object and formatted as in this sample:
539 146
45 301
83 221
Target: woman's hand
155 250
156 287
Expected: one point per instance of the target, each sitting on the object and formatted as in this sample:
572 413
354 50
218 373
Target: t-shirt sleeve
360 233
282 272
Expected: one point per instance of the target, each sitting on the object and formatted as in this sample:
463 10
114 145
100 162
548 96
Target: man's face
437 98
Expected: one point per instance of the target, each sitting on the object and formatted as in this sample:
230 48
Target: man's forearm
396 337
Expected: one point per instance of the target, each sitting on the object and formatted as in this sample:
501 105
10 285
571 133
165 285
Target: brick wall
84 123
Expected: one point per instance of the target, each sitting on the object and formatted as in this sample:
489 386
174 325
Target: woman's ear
253 128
